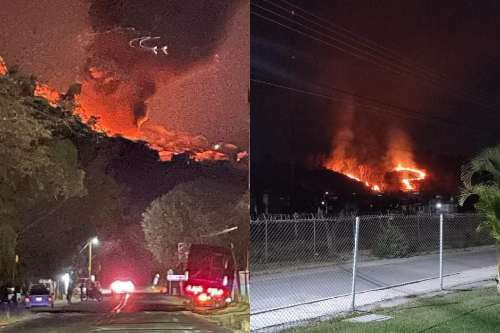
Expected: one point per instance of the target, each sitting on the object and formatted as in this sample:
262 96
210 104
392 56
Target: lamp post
92 241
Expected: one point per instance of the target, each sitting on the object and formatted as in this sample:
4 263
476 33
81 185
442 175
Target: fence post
266 253
355 256
314 237
441 250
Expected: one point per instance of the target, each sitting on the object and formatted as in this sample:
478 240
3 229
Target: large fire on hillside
90 105
395 171
176 88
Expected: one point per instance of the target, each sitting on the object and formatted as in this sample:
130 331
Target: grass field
474 311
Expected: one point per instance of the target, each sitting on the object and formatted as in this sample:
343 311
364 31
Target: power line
396 68
370 105
382 53
376 47
320 40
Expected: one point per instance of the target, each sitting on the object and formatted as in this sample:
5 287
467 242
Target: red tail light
194 289
27 299
50 299
215 292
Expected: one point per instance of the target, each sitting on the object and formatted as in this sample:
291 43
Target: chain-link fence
305 267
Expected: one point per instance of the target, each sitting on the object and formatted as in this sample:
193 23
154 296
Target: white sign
173 277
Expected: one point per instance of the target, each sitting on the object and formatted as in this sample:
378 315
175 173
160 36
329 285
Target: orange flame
3 67
407 182
395 169
50 94
112 120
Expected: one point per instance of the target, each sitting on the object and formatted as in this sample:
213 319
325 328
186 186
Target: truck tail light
214 292
194 289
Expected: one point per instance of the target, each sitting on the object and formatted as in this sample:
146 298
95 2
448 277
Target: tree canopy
40 165
481 180
192 212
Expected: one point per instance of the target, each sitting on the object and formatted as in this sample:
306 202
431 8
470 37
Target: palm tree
481 178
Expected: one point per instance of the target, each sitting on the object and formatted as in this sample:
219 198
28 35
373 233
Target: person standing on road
81 292
69 293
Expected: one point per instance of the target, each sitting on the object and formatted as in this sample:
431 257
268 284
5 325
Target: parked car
39 296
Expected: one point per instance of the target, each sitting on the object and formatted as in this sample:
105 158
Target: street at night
112 316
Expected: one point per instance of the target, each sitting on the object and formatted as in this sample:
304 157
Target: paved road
284 289
132 315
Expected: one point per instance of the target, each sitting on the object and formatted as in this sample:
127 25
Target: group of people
91 290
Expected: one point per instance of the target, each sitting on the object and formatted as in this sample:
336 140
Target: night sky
425 70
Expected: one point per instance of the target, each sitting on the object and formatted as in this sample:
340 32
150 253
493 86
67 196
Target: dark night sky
453 101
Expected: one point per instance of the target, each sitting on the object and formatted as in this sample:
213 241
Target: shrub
391 243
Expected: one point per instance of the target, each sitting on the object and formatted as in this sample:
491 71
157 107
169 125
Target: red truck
210 271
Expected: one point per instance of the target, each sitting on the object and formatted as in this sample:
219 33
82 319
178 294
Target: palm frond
487 161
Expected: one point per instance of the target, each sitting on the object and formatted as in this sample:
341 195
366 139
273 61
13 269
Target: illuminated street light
439 205
91 241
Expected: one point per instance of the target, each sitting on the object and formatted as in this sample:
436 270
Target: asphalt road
133 314
277 290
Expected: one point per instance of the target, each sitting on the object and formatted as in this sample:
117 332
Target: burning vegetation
122 86
3 67
117 108
382 169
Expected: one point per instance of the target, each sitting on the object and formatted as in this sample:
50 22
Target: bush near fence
283 239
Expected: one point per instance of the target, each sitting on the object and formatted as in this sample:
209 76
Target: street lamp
90 242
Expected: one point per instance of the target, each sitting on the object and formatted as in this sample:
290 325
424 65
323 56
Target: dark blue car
39 296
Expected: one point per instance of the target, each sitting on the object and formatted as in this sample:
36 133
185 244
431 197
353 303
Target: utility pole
90 242
90 260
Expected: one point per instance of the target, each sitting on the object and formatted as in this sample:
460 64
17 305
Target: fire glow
407 182
409 178
166 143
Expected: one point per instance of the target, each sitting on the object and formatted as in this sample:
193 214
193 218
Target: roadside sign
176 277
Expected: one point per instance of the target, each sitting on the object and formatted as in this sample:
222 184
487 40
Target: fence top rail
285 218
